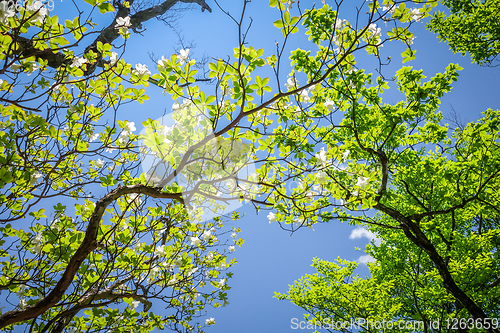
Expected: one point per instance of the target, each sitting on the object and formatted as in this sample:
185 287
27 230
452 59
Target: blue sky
271 258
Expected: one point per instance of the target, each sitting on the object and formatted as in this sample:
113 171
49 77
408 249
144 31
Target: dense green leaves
126 228
471 27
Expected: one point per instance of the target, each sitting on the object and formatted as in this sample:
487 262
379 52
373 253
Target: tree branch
88 245
107 35
418 237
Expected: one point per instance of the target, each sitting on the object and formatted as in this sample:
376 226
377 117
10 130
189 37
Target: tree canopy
470 27
101 225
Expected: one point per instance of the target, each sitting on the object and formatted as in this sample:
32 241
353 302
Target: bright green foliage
435 190
471 27
80 229
90 242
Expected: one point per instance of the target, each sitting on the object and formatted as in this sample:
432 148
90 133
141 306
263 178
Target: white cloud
362 232
366 259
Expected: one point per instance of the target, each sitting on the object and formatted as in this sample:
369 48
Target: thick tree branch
107 35
418 237
88 245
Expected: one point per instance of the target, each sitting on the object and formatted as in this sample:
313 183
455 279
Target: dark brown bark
417 236
107 35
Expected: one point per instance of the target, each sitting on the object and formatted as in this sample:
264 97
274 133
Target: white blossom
192 271
415 14
37 243
329 105
38 10
351 70
271 217
34 177
78 62
172 281
232 248
184 56
362 182
195 241
162 62
6 11
110 150
168 266
374 30
291 83
210 321
321 176
137 247
135 197
113 59
299 220
141 70
345 154
222 283
391 9
94 137
22 302
123 23
304 95
179 262
135 304
160 251
129 127
22 290
206 235
321 157
99 163
166 130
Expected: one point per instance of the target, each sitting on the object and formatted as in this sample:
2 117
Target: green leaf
278 24
106 7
